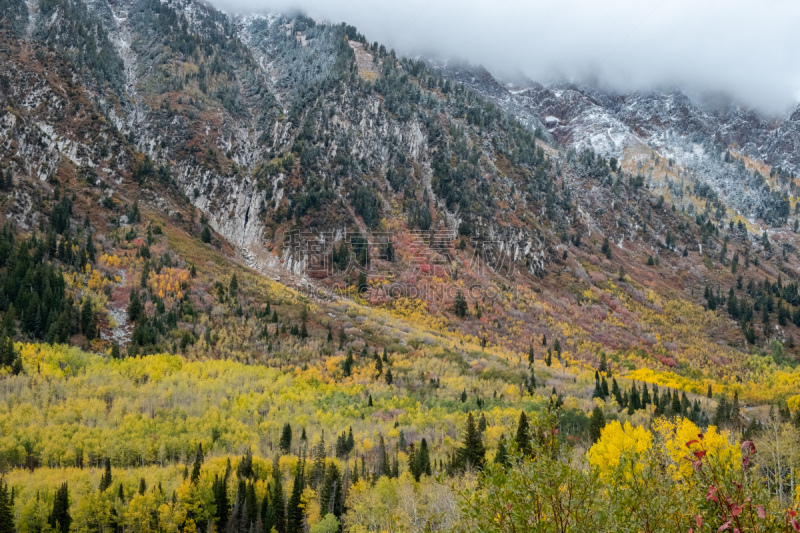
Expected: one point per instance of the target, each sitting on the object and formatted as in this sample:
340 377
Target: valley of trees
629 363
163 444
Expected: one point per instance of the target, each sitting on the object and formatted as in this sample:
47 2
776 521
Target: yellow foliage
619 443
110 260
415 311
674 436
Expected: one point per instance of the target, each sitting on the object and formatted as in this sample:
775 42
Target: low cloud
744 49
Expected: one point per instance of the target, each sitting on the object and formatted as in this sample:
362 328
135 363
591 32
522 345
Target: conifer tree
460 305
645 396
60 518
598 390
606 248
105 479
472 453
233 287
347 366
482 422
220 490
277 510
501 457
331 492
294 514
134 306
286 438
412 461
198 462
382 467
6 509
685 404
351 442
87 321
423 460
523 437
596 424
634 398
675 406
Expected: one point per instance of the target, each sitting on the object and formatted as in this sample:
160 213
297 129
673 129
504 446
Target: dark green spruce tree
60 518
523 436
472 453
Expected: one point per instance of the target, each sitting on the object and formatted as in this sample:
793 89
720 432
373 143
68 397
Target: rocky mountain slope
693 133
316 156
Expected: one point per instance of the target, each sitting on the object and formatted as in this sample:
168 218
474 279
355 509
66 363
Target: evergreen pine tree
351 442
294 514
277 501
6 509
472 453
105 479
603 367
523 437
412 462
423 460
382 468
675 406
501 457
645 396
347 366
60 518
598 390
460 306
286 438
134 306
482 423
331 492
233 287
596 424
198 462
223 510
87 321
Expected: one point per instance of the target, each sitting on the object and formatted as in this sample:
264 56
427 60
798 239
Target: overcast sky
750 50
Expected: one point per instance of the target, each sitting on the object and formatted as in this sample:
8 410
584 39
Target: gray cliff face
271 124
691 132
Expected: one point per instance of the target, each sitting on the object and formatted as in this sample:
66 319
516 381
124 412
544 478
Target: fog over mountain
737 47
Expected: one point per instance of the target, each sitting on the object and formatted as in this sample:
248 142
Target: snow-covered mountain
693 134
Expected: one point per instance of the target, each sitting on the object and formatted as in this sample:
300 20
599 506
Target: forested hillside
259 272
